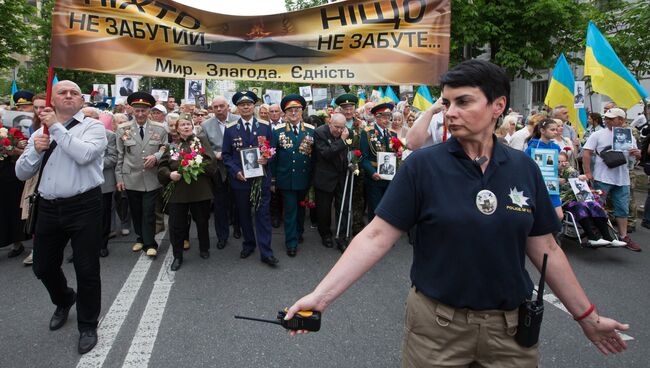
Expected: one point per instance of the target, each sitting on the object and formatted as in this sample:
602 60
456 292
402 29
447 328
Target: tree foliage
15 30
292 5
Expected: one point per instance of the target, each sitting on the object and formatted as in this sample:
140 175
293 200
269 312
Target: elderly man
140 145
275 115
615 181
23 101
245 133
223 209
291 167
70 206
331 156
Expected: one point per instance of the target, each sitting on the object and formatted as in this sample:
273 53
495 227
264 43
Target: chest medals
486 202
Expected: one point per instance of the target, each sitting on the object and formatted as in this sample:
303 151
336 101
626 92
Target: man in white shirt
614 181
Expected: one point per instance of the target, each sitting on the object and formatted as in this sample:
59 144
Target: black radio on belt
530 315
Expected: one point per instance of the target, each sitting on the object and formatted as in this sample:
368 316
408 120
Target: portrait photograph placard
18 119
386 165
547 160
581 190
126 84
194 89
579 94
160 94
100 91
249 164
622 139
305 92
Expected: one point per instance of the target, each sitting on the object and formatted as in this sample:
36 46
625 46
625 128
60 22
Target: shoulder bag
612 158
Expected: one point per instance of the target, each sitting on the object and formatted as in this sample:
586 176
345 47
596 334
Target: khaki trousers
437 335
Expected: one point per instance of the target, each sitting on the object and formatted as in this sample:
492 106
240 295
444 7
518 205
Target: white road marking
553 300
110 324
145 337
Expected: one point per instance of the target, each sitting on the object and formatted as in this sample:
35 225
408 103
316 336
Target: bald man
69 160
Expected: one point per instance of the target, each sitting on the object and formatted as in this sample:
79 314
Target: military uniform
291 168
237 137
142 186
374 139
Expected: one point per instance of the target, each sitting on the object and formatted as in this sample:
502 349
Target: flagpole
48 93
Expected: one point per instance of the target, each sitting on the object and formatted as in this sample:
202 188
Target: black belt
79 197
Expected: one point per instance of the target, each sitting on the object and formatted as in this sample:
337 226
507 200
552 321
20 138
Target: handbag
34 198
612 158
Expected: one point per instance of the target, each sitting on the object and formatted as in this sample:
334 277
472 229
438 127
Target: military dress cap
185 116
382 108
292 100
23 98
141 99
245 96
102 105
347 99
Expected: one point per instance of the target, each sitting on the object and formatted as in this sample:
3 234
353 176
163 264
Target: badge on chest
486 202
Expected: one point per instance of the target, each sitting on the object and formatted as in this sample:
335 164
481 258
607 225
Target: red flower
6 142
201 150
187 156
301 203
184 163
13 130
357 153
567 148
18 134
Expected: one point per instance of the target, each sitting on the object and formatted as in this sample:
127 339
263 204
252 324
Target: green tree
292 5
15 31
520 35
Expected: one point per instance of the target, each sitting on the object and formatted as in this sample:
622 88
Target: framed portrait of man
581 190
386 165
194 88
249 164
622 139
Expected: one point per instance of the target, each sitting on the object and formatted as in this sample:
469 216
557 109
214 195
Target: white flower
3 132
198 159
356 172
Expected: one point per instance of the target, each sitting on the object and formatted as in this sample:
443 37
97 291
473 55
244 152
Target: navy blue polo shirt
464 257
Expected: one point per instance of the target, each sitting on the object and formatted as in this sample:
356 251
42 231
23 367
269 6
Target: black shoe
205 254
301 239
87 341
291 252
341 244
61 315
646 224
271 261
236 233
221 244
176 264
16 251
275 222
328 243
245 253
103 252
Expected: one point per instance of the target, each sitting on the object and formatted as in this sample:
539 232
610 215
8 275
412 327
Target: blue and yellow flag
390 95
560 92
422 99
608 74
14 89
55 80
362 98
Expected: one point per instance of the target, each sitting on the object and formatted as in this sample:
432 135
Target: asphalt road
157 318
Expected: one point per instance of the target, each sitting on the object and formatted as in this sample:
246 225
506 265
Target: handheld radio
303 320
531 313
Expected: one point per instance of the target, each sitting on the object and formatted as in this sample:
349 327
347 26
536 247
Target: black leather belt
97 191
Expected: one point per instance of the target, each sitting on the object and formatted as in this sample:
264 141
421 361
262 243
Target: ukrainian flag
608 75
362 98
422 99
14 89
390 95
560 92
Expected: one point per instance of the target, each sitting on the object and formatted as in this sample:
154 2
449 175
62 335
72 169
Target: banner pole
48 93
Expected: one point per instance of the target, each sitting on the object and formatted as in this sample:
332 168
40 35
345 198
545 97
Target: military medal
486 202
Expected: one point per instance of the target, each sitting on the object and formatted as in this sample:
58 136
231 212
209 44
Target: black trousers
107 206
324 211
223 207
78 220
143 212
178 228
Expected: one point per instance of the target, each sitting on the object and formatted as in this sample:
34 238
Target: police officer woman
468 272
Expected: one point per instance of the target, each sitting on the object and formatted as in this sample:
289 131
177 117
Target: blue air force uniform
291 169
235 139
375 139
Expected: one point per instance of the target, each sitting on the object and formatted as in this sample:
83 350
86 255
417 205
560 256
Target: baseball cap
160 108
615 113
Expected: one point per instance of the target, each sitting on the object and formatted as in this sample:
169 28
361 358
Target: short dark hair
490 78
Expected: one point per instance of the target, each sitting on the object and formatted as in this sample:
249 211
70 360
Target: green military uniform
291 169
355 127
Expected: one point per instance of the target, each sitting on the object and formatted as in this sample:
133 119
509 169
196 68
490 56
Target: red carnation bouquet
9 139
310 199
354 162
256 188
190 167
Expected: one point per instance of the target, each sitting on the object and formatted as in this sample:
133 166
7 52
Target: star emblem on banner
518 197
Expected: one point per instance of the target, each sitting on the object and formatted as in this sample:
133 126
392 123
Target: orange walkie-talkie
303 320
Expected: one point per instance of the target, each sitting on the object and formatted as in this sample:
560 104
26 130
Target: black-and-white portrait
622 139
160 94
100 91
127 84
194 88
18 119
249 164
579 94
386 165
581 190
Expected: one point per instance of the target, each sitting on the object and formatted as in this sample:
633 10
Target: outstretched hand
310 302
602 331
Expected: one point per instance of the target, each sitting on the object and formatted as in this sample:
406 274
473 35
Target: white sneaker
598 243
29 260
126 232
617 243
